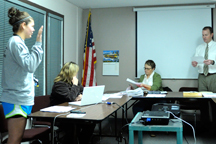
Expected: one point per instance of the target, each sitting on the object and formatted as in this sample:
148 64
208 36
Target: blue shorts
11 110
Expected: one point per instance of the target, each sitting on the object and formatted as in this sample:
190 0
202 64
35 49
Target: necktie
205 68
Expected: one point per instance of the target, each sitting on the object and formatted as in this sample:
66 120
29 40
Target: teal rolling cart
174 125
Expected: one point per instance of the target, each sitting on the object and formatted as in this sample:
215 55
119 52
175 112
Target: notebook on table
91 95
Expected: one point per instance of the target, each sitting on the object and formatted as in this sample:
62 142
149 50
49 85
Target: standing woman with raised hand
17 73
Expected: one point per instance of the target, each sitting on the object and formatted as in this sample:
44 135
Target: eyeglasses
147 68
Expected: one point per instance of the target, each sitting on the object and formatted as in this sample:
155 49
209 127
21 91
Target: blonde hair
68 71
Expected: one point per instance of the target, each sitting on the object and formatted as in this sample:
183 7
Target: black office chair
189 106
188 89
39 134
167 89
41 102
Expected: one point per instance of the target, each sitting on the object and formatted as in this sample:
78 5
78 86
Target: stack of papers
212 95
157 92
136 92
155 95
114 95
163 92
57 109
74 115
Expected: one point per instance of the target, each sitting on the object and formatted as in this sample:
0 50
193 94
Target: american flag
89 57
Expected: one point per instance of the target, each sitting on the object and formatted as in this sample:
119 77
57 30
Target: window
54 49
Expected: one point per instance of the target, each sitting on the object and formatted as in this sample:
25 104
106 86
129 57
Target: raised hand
39 35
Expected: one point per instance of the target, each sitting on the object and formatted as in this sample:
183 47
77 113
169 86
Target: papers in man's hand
133 82
57 109
135 92
198 59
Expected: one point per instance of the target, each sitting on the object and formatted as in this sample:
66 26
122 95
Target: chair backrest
167 89
189 103
188 89
3 121
41 102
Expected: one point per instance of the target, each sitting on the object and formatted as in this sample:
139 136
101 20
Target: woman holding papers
66 88
149 81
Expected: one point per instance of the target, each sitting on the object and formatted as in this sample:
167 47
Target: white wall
72 25
114 29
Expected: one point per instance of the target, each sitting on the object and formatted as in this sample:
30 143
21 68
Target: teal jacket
157 82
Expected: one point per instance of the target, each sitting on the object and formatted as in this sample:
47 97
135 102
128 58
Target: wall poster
111 62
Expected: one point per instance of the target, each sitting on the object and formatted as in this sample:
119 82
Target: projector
155 118
172 107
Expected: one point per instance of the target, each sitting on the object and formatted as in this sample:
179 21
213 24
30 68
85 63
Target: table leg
126 110
179 137
123 116
131 137
100 129
52 134
75 138
140 137
116 123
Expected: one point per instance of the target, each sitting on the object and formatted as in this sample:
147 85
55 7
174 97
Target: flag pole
89 57
84 60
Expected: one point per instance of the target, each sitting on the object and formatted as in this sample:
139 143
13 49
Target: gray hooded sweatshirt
17 71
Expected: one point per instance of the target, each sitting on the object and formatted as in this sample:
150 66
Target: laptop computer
91 95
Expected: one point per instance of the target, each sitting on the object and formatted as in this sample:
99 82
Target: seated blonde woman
67 88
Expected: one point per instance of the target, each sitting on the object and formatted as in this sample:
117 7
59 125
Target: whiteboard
169 37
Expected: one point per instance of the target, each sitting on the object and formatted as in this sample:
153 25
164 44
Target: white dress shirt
200 51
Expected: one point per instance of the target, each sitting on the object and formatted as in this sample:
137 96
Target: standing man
207 70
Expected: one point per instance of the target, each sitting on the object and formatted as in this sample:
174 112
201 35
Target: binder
192 94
